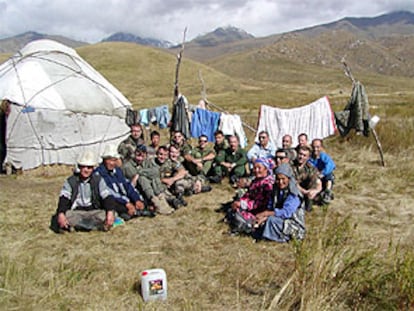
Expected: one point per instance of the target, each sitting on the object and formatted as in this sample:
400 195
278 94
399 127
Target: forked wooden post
177 68
348 73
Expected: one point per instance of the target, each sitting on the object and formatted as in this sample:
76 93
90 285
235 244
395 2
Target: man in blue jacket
129 202
325 165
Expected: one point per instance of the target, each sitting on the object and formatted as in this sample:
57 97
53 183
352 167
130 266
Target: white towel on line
231 124
315 119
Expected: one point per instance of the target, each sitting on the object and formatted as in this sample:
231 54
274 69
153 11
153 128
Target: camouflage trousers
189 184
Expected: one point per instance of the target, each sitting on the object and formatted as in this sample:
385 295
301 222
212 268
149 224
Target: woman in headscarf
259 193
285 219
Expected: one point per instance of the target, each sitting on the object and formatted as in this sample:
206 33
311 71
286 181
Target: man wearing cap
145 176
85 202
129 201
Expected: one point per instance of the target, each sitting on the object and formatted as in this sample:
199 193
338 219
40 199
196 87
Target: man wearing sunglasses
200 159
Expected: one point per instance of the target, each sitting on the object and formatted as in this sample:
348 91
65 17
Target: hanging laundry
231 124
180 121
162 116
204 122
143 113
315 119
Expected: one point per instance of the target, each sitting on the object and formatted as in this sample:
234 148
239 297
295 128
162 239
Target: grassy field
357 254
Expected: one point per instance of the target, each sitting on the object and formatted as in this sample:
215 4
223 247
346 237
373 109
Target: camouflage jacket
127 147
306 176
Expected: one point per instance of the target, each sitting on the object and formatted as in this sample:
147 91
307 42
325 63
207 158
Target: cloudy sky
93 20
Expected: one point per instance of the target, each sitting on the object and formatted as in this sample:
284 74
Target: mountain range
381 45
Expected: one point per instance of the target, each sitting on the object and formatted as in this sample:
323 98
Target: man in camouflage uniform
145 175
200 158
178 180
127 147
233 164
306 176
221 144
166 170
178 139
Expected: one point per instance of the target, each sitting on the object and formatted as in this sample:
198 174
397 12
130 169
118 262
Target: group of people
139 179
285 183
133 179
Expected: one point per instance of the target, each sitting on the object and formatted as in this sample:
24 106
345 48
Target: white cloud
92 20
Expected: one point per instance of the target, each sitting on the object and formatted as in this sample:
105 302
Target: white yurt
59 106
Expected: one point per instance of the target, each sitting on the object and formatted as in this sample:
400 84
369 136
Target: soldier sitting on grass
306 176
232 163
127 147
200 158
145 175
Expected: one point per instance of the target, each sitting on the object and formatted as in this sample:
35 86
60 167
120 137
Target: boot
181 199
215 179
176 203
206 188
161 205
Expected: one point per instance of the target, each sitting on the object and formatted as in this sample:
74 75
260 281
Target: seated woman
255 200
286 219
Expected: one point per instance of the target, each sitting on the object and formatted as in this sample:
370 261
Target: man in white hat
129 201
85 202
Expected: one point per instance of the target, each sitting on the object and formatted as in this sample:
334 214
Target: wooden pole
379 146
177 68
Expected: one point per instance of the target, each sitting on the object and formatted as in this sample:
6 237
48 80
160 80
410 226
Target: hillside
146 75
378 45
14 44
357 253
